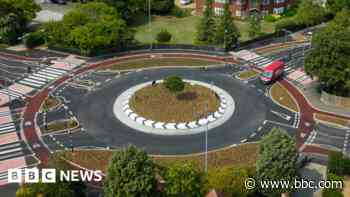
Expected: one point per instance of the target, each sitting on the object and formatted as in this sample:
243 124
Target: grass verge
244 155
331 120
59 126
246 75
160 62
282 96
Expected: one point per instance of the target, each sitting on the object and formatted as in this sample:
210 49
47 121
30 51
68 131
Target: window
278 10
219 11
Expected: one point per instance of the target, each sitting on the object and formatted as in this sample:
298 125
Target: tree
58 189
254 25
128 8
162 6
310 13
335 6
183 180
130 173
277 159
230 181
15 16
328 59
206 26
174 84
226 31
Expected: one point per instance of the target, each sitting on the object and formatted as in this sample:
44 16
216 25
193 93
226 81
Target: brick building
242 8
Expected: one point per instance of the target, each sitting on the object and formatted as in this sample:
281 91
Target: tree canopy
329 57
206 26
226 31
230 181
277 158
58 189
310 13
15 16
90 27
254 25
183 180
130 173
335 6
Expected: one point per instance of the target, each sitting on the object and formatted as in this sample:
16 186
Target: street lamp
150 23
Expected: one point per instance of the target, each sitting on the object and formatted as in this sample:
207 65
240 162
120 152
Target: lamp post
150 23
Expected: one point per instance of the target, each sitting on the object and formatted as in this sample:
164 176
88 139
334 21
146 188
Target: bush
270 18
333 192
33 40
288 23
338 164
174 84
180 13
164 36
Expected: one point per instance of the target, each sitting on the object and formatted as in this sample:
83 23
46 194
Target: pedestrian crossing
12 150
42 77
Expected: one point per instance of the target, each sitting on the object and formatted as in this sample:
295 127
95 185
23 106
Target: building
242 8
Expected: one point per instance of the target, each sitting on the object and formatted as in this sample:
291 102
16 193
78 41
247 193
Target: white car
185 2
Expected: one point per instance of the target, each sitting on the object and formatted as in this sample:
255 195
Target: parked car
272 72
61 2
185 2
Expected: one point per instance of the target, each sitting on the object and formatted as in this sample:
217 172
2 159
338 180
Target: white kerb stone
133 116
171 126
140 120
203 121
182 126
193 124
159 125
149 123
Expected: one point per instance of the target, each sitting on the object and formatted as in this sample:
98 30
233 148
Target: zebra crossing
13 150
42 77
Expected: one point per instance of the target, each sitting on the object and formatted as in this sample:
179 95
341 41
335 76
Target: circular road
95 112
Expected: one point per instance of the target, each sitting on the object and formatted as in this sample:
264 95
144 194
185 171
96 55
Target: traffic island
61 126
51 103
247 75
282 97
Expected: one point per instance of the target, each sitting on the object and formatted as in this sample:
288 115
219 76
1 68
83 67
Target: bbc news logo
48 175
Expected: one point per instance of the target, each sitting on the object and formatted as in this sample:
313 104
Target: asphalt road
101 128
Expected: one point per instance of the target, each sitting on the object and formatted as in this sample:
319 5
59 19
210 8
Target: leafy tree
335 6
333 192
329 57
226 31
277 158
163 36
130 173
254 25
230 181
310 13
58 189
91 28
15 16
206 26
33 40
128 8
183 180
174 84
162 6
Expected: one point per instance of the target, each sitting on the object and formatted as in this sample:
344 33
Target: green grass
184 30
3 46
160 62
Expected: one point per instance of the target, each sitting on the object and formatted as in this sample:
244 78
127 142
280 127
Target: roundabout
220 112
106 124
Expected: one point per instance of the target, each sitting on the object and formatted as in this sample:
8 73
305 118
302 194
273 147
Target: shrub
332 191
174 84
33 40
270 18
180 13
338 164
288 23
164 36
